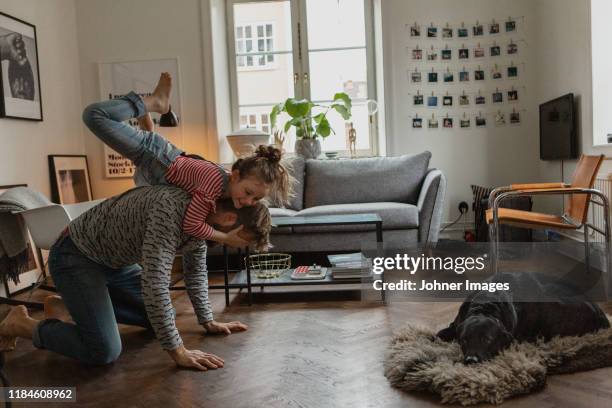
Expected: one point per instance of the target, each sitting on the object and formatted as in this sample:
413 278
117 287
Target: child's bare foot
146 123
159 100
55 308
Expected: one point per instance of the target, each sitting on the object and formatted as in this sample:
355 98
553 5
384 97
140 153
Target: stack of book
350 266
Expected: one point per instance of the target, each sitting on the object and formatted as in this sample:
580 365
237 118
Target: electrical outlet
463 207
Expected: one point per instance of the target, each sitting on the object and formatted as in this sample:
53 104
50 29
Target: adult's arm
158 252
195 275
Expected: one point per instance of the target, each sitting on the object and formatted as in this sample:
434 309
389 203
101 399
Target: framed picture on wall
20 79
33 269
70 181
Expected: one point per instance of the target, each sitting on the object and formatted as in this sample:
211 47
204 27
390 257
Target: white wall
24 145
491 156
116 30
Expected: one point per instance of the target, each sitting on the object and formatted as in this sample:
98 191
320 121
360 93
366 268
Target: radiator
596 212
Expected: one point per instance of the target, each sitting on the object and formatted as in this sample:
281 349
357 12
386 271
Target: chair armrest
430 206
534 186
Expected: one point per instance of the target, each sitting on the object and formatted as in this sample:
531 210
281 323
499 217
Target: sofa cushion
393 215
390 179
281 212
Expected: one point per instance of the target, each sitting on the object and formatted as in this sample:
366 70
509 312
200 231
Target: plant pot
308 148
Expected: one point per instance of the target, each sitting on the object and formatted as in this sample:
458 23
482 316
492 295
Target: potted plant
309 128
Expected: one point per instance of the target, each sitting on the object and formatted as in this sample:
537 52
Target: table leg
248 273
379 239
226 274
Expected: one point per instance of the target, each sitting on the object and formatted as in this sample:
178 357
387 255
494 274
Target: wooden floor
302 350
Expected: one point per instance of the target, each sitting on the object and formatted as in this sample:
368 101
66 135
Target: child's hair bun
271 153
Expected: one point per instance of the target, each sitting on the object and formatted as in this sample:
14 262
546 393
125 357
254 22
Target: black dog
489 322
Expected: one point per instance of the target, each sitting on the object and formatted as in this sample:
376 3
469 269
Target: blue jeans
97 297
149 151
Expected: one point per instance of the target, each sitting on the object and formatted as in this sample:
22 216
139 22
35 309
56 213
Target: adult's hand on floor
195 359
215 327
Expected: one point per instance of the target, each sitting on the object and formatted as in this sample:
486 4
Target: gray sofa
402 190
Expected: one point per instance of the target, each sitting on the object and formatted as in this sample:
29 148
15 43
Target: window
303 49
259 121
254 44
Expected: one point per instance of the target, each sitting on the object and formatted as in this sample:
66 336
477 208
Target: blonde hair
266 164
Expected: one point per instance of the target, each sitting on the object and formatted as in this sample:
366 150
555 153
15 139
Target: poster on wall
118 79
20 79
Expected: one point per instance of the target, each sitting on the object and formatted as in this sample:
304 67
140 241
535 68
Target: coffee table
244 280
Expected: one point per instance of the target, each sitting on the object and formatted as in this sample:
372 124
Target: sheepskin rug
419 361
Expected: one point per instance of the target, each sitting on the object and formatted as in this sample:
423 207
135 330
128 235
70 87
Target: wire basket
270 265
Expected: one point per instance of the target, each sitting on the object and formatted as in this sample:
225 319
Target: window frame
301 69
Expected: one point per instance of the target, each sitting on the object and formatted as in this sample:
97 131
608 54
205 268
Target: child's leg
146 149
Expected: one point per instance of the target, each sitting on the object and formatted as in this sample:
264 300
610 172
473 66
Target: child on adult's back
159 162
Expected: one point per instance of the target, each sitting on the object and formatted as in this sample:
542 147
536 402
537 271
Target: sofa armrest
430 206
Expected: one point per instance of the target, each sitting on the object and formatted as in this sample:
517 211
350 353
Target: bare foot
146 123
10 327
55 308
159 100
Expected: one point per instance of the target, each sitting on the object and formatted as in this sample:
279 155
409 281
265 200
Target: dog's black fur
489 322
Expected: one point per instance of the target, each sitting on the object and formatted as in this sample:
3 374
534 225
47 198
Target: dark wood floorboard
302 350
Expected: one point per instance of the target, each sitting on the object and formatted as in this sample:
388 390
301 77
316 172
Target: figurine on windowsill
352 141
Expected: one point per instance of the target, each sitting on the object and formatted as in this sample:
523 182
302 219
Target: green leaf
342 110
293 122
344 98
296 108
324 129
274 114
317 118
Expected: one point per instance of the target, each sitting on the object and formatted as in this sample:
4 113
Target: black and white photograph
510 26
500 119
515 118
447 123
479 75
415 77
70 182
449 77
513 95
512 72
464 53
495 51
417 123
479 52
477 30
494 28
417 54
432 101
20 70
512 48
432 77
464 76
465 123
480 100
415 31
498 97
447 100
447 55
432 123
432 55
418 99
496 73
432 32
447 32
464 100
462 32
480 121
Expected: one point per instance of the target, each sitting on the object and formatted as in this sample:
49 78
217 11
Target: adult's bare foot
55 308
159 100
11 327
146 123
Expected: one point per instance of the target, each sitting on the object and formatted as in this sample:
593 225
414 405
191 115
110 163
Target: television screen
558 129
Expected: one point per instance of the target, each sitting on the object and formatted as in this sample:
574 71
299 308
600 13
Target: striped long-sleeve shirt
143 226
205 181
